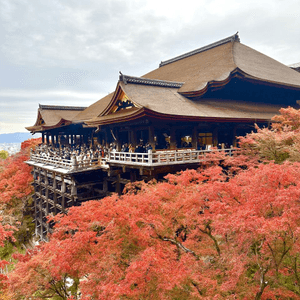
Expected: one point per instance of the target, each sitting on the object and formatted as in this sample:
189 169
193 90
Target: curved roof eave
146 112
224 80
41 128
122 116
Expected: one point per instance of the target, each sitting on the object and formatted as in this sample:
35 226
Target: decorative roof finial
122 77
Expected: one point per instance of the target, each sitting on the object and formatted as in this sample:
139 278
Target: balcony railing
168 157
158 158
69 164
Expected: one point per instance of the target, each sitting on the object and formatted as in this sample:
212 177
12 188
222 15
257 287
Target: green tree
3 154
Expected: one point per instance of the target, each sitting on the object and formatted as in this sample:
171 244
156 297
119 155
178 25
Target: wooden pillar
63 185
106 143
133 175
63 203
39 176
105 187
47 191
55 201
43 138
47 138
133 138
41 220
54 180
215 136
128 137
35 174
63 191
54 186
195 138
117 142
151 137
58 140
73 188
173 143
118 185
234 140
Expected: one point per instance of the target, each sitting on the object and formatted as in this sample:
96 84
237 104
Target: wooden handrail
165 157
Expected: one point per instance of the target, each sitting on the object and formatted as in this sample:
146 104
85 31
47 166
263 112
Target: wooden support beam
234 140
73 189
133 140
63 204
105 187
215 136
118 185
195 137
151 137
173 143
132 175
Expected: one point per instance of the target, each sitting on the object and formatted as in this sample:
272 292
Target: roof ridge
154 82
232 38
295 65
58 107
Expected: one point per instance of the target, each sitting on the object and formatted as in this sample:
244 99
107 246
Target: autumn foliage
15 177
229 230
15 189
279 143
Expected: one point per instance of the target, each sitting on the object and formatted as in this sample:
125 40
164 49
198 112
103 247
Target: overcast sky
67 52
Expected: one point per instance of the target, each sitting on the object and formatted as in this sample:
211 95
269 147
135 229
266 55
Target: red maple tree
198 235
15 188
229 230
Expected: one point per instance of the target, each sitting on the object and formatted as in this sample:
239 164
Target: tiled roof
139 80
58 107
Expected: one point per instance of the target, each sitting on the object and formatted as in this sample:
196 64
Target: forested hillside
229 230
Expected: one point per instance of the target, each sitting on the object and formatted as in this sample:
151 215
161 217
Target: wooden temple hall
155 124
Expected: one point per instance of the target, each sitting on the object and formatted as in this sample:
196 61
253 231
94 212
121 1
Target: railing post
63 185
74 165
150 156
73 189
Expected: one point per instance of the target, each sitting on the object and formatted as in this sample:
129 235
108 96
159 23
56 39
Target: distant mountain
17 137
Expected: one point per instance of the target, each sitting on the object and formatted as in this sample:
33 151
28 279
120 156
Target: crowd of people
85 155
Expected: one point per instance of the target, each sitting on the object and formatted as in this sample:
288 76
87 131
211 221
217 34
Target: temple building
156 124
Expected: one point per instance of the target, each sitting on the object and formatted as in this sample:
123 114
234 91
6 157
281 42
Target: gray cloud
50 48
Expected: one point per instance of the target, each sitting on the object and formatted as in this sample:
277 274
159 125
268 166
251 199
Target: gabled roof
166 103
232 38
53 116
179 86
95 109
196 85
218 63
